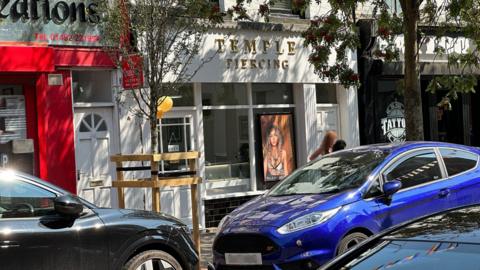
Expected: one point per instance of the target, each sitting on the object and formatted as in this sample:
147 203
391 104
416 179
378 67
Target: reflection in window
458 161
13 123
226 144
268 93
406 255
19 199
216 94
416 170
326 93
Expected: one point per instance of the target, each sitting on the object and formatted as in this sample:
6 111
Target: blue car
333 203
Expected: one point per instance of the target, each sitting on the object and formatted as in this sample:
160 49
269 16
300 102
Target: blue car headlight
308 221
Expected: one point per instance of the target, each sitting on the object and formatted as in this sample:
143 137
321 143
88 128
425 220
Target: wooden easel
155 182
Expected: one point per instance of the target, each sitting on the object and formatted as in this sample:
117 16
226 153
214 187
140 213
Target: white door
93 147
327 119
176 135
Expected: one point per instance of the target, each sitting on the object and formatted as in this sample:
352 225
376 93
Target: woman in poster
275 161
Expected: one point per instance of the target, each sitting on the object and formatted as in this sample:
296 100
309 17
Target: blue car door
463 175
424 189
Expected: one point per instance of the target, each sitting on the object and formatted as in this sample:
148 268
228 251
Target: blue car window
416 170
403 255
19 199
457 161
332 173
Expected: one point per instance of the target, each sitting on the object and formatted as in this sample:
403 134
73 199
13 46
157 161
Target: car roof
460 225
390 147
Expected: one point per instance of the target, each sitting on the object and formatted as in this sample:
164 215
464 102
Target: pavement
206 242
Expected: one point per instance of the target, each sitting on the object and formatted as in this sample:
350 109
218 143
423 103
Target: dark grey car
447 241
45 227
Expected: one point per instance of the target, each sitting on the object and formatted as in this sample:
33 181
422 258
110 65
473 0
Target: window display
12 113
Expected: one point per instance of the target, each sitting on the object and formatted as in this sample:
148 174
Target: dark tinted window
458 161
20 199
400 255
415 170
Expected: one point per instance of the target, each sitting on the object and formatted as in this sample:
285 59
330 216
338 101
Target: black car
447 241
45 227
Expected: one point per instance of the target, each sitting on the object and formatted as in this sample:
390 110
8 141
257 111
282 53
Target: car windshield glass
332 173
400 255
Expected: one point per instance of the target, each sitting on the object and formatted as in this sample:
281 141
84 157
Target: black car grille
248 267
244 243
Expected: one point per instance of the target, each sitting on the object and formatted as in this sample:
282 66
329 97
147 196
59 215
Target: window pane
183 96
92 86
416 170
13 123
270 93
458 161
215 94
20 199
226 144
326 93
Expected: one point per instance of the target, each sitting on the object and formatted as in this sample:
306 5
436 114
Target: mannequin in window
327 145
275 162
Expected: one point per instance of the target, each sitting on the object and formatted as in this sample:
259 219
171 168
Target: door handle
8 244
444 192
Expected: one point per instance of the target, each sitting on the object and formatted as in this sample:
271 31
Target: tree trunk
412 91
154 135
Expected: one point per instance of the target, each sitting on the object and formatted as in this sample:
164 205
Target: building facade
51 69
381 107
63 110
257 76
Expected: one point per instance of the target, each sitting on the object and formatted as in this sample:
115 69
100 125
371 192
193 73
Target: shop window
326 93
226 144
218 94
183 97
92 86
270 93
13 123
262 184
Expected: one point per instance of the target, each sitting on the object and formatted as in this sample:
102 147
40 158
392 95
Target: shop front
44 46
255 111
381 107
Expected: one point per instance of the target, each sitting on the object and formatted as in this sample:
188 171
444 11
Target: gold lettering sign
242 53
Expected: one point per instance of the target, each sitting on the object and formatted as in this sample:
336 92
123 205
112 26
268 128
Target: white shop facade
249 75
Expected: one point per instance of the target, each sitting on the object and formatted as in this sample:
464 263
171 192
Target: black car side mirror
68 205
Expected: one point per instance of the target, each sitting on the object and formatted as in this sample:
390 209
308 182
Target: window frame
460 150
212 184
408 154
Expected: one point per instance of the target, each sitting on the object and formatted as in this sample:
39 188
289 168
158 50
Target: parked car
450 241
331 204
45 227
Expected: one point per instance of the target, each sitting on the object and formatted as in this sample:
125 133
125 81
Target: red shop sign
132 72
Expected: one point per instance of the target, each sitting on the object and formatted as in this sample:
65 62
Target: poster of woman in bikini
277 144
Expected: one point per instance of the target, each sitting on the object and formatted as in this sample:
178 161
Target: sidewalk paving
206 242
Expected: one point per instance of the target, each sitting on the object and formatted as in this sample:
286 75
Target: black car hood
146 219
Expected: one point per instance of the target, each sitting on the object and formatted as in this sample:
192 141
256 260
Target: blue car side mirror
391 187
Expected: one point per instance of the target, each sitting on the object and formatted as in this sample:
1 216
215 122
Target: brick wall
216 209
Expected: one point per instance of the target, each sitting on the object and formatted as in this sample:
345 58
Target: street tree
159 41
417 22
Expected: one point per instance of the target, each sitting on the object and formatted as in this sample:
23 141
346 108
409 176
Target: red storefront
48 103
41 42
